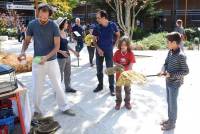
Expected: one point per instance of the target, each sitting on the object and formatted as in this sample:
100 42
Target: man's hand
100 52
21 57
43 60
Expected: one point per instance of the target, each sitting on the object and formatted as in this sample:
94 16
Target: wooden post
186 8
36 8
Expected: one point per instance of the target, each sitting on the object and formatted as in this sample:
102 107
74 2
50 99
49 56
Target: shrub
187 43
139 34
8 32
154 41
196 40
191 33
154 47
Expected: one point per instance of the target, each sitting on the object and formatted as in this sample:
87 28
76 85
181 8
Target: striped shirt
176 66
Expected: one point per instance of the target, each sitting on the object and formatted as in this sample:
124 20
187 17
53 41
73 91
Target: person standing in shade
90 46
46 38
180 29
105 34
78 33
63 55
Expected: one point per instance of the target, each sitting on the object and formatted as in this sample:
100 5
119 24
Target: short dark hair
46 8
127 41
174 36
179 22
103 13
61 26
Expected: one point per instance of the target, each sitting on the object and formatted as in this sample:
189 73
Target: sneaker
69 112
98 89
117 106
128 106
71 90
112 93
168 126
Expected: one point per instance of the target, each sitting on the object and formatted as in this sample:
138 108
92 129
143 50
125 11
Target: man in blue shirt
105 34
46 38
78 28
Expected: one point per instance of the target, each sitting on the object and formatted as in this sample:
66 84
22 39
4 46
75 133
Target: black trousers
109 63
91 53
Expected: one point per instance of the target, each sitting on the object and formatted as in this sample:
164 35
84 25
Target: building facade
18 10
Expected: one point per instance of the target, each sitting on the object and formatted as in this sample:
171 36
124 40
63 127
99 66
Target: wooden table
15 95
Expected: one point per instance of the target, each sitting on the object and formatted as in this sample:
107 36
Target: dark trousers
99 64
127 90
91 53
172 94
79 46
18 37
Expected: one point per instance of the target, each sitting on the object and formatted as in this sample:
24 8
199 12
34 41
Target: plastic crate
4 129
5 103
6 112
8 122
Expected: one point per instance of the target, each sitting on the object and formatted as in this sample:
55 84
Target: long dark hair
127 41
61 26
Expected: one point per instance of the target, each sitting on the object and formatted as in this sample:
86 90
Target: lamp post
36 8
173 13
85 7
186 8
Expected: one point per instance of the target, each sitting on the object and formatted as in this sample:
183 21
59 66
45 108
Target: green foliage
139 34
8 32
64 7
154 41
196 40
191 33
150 10
187 43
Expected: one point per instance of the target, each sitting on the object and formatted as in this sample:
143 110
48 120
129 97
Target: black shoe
70 90
91 65
112 93
98 89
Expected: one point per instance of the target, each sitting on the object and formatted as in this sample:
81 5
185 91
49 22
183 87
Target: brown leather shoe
164 122
128 106
117 106
168 126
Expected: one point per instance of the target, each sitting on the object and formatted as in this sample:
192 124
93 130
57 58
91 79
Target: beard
43 22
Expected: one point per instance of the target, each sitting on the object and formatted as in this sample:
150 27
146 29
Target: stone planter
3 38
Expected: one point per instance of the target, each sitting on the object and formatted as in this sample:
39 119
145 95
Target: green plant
154 41
187 43
154 47
8 32
190 33
196 40
139 34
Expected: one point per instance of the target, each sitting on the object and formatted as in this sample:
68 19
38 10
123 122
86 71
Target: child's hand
161 74
167 75
77 54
